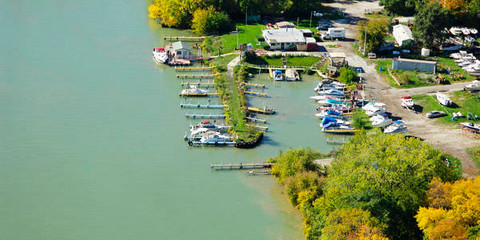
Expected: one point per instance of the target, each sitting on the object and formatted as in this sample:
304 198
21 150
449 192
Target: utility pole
246 17
236 29
365 42
311 12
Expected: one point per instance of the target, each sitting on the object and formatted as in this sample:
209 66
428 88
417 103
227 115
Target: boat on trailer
471 127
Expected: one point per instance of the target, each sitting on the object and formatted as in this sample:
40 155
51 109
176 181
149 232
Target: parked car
372 55
324 26
436 114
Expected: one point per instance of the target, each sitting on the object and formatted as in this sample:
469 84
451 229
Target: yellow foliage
428 217
154 11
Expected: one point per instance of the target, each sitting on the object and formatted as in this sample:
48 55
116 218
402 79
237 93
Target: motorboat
194 91
465 31
329 102
473 31
374 108
407 102
330 113
292 75
465 63
396 127
380 120
473 86
469 126
444 99
329 84
324 97
278 75
339 108
337 128
332 92
160 55
215 139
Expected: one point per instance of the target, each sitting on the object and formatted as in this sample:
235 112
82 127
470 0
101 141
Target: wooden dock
201 76
254 119
193 69
262 111
253 85
257 94
198 84
204 116
206 106
241 166
184 38
198 94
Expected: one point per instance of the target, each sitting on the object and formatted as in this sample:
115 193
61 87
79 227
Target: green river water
91 135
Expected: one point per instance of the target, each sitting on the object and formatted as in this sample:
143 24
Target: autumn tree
374 32
175 13
400 7
430 21
453 211
209 21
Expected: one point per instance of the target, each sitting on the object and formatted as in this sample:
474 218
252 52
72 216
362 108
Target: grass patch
221 63
276 60
228 42
464 102
475 154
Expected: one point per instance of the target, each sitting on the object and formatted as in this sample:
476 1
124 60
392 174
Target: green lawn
475 154
228 42
463 102
291 60
221 62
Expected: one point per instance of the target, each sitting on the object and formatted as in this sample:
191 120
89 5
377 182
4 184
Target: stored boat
407 102
330 113
396 127
277 75
473 86
332 92
444 99
292 75
380 121
469 126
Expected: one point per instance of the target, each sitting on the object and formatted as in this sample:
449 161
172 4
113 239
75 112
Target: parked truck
334 33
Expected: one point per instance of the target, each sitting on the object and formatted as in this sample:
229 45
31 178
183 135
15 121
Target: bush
348 75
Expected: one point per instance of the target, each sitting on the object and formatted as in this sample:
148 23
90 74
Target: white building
285 39
182 50
402 34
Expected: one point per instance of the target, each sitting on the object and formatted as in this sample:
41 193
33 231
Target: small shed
311 44
337 59
284 24
414 65
402 34
182 50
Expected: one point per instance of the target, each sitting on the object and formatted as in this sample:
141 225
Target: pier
241 166
253 85
254 119
262 111
204 116
216 144
201 76
206 106
198 84
258 94
184 38
198 94
193 69
263 128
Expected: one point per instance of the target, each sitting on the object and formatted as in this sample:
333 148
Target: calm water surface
91 135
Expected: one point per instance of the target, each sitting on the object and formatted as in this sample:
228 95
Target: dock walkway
241 166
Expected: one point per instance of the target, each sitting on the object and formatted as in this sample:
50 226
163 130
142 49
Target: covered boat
292 75
380 120
443 99
473 86
407 102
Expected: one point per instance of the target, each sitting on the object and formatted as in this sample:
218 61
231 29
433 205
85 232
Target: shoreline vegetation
373 189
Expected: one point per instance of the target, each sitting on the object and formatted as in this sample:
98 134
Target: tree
348 75
430 22
376 30
400 7
175 13
352 223
453 211
386 175
292 161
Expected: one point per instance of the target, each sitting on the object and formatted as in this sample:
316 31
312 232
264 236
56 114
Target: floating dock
254 119
193 69
216 144
198 84
183 38
258 94
201 76
241 166
206 106
204 116
253 85
198 94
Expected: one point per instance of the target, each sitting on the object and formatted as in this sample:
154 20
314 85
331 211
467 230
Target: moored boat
160 55
194 91
292 75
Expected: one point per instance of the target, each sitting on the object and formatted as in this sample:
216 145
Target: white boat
473 86
374 108
380 121
328 113
215 139
396 127
159 55
277 75
465 31
444 99
455 30
465 63
332 92
292 75
207 124
325 97
407 102
473 31
193 90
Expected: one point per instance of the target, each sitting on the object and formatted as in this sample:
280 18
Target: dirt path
450 139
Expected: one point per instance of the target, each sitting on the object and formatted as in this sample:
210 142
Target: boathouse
182 50
285 39
414 65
